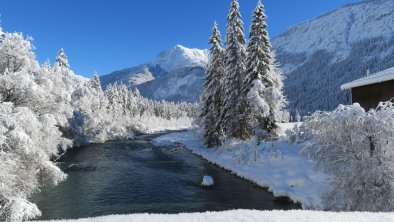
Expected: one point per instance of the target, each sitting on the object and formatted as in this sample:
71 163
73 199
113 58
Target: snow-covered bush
356 147
16 53
21 89
27 143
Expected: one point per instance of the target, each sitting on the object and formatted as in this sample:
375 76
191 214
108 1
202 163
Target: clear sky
107 35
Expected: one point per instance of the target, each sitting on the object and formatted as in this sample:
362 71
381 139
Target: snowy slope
321 54
133 76
337 30
179 57
247 216
182 84
168 62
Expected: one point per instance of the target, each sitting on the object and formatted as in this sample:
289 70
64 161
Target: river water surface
136 177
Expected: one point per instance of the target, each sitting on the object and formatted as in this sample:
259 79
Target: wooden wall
369 96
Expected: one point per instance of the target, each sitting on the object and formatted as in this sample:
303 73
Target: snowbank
248 215
207 181
277 166
152 124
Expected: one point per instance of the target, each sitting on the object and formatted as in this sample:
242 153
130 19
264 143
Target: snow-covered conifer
263 82
212 97
61 63
96 83
234 75
2 35
47 66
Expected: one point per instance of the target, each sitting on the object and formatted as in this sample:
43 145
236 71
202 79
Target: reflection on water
136 177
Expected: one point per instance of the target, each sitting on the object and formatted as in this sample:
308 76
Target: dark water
136 177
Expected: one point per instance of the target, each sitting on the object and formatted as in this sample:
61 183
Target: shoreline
308 196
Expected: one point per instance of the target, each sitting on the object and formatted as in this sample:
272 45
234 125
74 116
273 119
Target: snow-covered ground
155 125
248 215
278 166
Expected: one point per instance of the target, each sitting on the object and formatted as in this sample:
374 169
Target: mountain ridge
337 47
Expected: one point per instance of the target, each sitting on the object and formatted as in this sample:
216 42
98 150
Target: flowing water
136 177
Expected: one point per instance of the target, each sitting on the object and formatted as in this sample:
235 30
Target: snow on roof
383 76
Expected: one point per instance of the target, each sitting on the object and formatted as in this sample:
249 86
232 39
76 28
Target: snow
183 84
287 126
337 30
150 124
247 216
175 75
279 166
207 181
383 76
321 54
180 56
141 77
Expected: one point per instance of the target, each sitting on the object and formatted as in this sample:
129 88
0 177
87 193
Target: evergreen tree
231 119
47 65
263 83
2 35
96 83
213 90
61 63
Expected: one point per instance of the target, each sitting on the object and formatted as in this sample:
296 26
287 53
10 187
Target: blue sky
107 35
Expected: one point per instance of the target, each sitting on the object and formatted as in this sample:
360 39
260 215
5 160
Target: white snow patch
383 76
207 181
141 77
247 216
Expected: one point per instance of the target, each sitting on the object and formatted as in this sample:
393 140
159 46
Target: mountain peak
180 56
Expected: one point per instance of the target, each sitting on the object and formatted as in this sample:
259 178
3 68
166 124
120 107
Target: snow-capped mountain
176 75
319 55
179 57
182 84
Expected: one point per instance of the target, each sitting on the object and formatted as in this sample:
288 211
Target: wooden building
372 89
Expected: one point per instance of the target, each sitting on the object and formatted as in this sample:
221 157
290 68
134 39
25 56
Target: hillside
319 55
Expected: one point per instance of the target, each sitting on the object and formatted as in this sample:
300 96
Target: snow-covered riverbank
247 215
277 166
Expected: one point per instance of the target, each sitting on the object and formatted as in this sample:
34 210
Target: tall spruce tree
61 63
2 35
47 66
96 83
212 97
231 118
264 82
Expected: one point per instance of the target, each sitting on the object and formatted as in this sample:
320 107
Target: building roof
383 76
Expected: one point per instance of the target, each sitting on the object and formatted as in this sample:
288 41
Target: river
134 176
